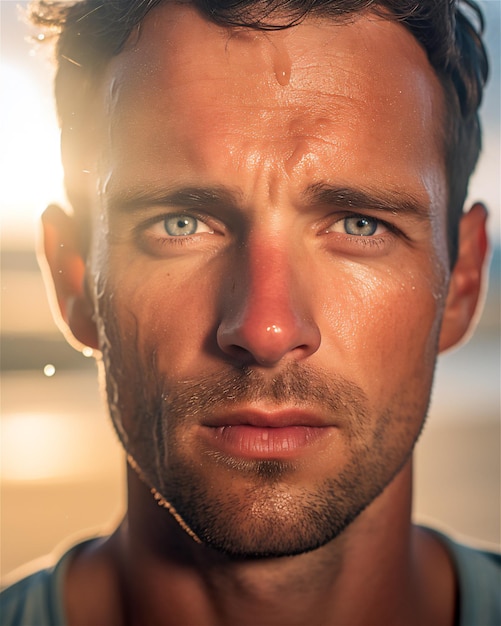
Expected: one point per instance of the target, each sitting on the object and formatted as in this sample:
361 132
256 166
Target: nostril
241 355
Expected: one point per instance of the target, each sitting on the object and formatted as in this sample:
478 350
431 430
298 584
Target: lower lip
259 442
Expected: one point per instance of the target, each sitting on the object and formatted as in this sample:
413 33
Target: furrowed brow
395 202
183 197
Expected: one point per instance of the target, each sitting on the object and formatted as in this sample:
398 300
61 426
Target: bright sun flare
29 161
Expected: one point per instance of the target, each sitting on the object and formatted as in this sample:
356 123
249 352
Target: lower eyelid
358 245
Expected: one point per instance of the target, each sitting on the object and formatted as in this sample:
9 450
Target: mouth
266 435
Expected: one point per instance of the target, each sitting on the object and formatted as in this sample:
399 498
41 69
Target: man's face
269 268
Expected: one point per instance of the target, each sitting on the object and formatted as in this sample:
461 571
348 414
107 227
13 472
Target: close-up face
268 267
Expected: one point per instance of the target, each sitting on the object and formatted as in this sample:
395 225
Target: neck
369 574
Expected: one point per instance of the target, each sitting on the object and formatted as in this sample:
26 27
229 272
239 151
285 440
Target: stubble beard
268 513
272 517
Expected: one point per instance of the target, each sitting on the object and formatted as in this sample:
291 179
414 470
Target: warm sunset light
35 447
44 447
30 164
73 422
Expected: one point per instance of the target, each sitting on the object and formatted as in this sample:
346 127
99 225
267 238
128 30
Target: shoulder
37 598
479 583
33 600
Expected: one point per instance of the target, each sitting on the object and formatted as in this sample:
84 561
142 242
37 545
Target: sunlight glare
30 163
42 447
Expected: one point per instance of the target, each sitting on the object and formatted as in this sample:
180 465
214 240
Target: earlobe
67 274
466 278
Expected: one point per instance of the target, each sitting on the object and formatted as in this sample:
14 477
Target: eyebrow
185 197
224 198
395 202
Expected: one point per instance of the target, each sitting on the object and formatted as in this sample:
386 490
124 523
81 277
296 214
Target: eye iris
180 225
361 226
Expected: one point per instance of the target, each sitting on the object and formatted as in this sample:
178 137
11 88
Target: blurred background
61 466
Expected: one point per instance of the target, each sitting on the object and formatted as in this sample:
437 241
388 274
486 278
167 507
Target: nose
266 314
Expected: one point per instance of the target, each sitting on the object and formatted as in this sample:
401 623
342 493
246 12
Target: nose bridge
267 285
267 315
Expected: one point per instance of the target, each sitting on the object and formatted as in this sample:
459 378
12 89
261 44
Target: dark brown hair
90 32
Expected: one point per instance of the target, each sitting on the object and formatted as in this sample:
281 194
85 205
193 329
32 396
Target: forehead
189 92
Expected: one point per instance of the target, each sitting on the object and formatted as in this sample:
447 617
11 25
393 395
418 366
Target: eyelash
367 242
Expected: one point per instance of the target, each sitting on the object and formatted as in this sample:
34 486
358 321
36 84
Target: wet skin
269 268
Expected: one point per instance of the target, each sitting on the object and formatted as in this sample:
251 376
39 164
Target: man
267 249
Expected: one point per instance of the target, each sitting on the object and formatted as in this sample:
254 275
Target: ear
67 270
466 278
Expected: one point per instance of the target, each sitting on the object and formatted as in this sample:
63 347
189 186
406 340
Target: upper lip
267 419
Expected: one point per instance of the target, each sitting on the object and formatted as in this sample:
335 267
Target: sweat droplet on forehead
282 64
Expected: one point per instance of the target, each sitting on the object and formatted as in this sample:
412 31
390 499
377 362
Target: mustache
296 385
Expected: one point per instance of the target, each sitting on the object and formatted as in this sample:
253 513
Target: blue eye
360 225
180 225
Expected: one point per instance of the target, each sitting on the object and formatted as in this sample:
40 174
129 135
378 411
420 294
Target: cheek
383 324
163 315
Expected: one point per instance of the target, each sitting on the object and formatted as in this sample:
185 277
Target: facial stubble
267 512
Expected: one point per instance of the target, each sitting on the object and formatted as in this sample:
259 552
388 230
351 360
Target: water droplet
282 64
87 352
283 76
49 370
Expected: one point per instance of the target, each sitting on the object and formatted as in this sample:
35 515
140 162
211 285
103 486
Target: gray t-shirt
38 599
